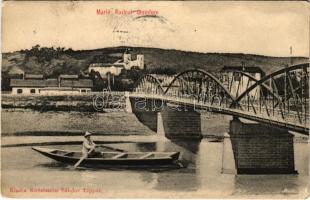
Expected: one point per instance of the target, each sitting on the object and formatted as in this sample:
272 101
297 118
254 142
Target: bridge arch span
148 84
200 85
250 81
271 76
287 94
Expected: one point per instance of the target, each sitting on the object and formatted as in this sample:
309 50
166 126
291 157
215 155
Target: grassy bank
92 102
29 122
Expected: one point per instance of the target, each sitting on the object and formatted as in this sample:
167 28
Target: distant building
116 68
104 69
64 85
241 82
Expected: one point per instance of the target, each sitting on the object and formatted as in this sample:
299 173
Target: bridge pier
179 125
261 149
146 110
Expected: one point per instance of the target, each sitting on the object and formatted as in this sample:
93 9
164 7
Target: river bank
88 102
29 122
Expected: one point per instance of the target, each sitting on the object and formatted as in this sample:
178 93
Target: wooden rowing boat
112 157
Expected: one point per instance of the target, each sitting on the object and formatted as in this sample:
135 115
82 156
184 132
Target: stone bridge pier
257 148
179 124
145 110
261 149
170 123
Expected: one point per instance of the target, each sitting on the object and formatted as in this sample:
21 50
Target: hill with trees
52 61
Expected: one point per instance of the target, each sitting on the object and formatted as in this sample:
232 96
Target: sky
265 28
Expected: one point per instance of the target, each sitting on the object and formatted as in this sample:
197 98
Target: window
19 91
83 90
32 91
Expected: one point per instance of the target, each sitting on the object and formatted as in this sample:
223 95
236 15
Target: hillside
53 62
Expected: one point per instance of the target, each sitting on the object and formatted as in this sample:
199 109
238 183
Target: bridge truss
280 98
287 97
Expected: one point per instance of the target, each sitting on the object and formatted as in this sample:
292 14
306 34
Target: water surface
209 170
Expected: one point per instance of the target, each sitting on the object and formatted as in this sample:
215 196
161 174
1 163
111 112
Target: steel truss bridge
280 99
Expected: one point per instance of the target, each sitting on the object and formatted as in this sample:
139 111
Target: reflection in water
188 149
147 177
209 169
177 182
301 157
183 179
266 184
150 146
53 165
228 161
189 145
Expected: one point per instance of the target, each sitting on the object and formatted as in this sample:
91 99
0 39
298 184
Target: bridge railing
290 118
281 96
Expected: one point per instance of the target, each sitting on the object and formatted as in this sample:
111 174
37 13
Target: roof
33 76
81 83
27 83
16 70
106 65
87 83
68 76
250 69
51 82
57 88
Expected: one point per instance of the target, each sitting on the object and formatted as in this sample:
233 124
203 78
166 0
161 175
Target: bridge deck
276 120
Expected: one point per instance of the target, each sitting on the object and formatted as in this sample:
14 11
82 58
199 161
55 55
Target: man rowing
88 149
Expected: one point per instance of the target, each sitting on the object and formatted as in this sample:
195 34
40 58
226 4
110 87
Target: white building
64 85
241 83
104 69
116 68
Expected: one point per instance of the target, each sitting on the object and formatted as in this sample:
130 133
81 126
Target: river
209 170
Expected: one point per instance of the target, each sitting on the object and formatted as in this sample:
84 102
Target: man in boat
88 149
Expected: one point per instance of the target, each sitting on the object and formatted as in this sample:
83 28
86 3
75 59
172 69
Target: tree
98 82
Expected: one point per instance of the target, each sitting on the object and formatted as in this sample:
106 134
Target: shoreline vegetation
80 103
54 61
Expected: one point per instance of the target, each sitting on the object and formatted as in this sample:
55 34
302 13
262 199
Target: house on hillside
115 68
240 83
105 68
64 85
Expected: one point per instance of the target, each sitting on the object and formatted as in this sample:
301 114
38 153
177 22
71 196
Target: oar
81 159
